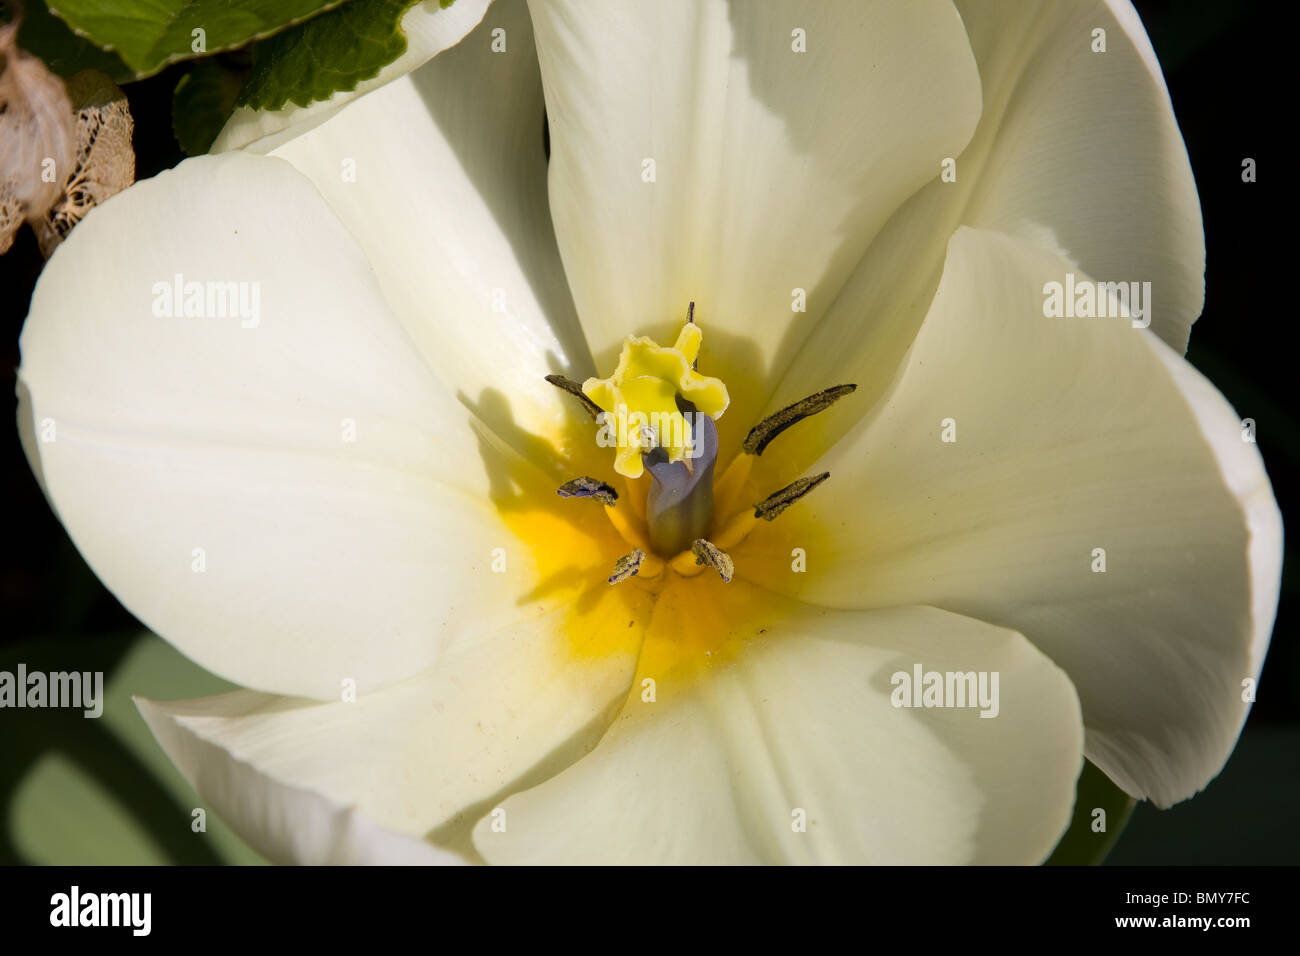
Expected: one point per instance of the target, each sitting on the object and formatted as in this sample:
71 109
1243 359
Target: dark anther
761 434
706 552
574 389
774 504
627 566
585 487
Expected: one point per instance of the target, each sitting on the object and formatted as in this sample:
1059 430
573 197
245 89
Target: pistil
679 506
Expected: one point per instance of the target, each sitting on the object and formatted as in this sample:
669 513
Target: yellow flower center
670 606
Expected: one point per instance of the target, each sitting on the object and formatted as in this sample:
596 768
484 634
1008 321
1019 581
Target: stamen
628 526
690 320
575 389
775 503
762 434
735 530
728 489
585 487
710 554
627 566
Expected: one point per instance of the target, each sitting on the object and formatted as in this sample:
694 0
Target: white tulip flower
290 402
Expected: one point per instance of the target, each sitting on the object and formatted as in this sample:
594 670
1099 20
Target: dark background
1214 54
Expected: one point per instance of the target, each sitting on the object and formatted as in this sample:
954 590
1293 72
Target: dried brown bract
105 161
38 142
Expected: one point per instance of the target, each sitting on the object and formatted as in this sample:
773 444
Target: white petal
285 823
802 720
412 757
1079 152
772 168
429 30
449 203
203 466
1087 154
1071 435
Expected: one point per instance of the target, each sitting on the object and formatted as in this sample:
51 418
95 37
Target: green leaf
79 791
63 52
149 34
1082 845
332 52
203 101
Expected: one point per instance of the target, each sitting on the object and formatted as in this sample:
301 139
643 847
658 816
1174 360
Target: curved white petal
286 824
801 728
412 757
286 494
1071 436
1076 151
429 30
441 178
1087 158
772 168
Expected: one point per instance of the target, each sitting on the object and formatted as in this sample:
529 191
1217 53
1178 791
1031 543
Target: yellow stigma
641 398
